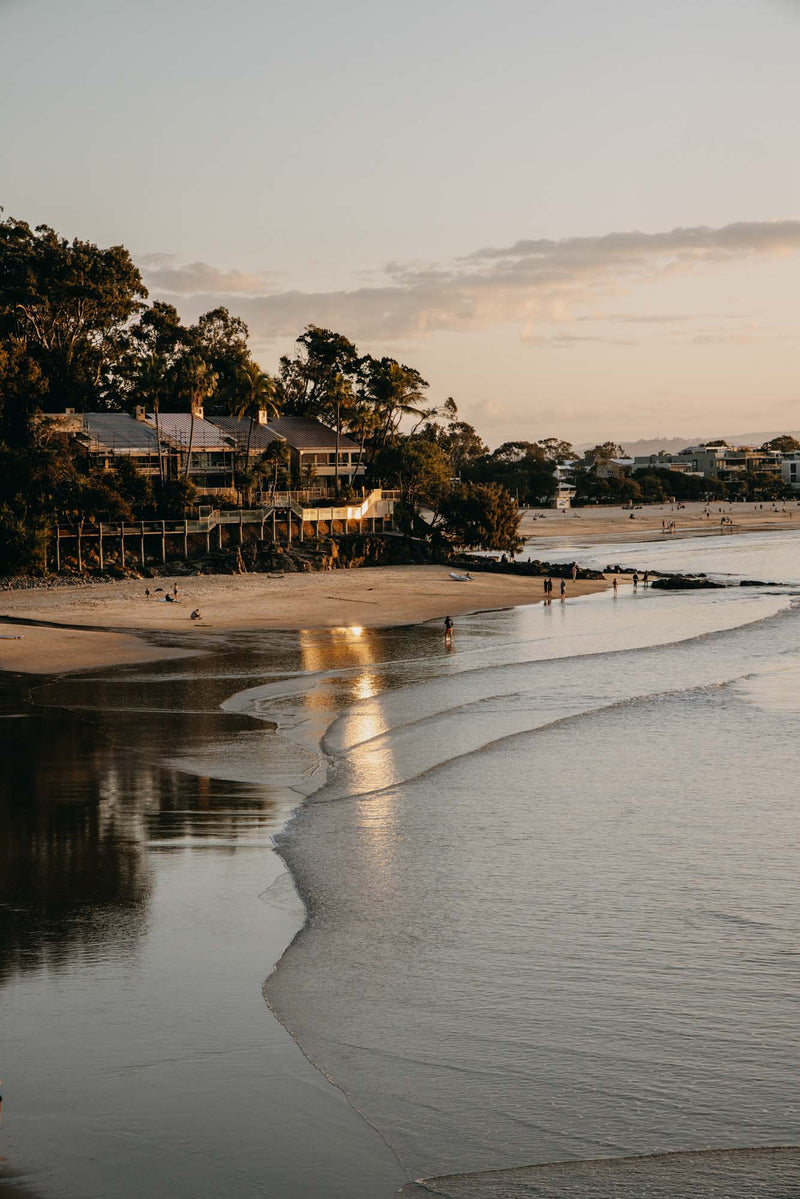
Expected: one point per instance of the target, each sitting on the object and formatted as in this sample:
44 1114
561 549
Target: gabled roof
177 428
116 431
302 433
262 435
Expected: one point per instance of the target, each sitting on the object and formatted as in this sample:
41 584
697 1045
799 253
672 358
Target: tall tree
197 383
255 394
67 304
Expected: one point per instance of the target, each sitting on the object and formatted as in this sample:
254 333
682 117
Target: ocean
548 939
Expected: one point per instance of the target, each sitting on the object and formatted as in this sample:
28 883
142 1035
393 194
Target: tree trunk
189 450
338 434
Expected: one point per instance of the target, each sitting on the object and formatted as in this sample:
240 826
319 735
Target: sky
580 218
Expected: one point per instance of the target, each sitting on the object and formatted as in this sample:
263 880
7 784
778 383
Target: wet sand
105 617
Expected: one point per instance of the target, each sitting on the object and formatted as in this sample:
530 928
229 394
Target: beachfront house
211 454
312 447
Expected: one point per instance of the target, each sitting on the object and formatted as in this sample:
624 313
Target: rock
685 583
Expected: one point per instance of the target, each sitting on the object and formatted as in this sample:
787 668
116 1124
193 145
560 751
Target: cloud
529 283
198 278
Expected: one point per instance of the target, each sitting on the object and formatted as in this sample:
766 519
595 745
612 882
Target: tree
556 450
602 453
394 391
419 468
323 363
220 339
197 381
149 370
275 460
481 516
255 393
67 304
785 444
520 466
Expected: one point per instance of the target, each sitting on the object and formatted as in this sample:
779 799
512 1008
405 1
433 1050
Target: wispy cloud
529 283
164 276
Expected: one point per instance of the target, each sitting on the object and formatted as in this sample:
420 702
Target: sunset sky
578 217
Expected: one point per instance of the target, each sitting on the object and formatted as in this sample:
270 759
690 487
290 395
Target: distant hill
671 445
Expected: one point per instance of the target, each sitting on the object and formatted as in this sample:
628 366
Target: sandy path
373 597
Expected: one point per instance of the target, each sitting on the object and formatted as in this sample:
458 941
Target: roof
239 430
177 428
120 432
302 433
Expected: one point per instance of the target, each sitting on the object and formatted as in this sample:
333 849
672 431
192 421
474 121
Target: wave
771 1172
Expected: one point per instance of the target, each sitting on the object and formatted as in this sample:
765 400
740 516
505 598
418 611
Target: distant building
790 470
729 463
613 468
663 462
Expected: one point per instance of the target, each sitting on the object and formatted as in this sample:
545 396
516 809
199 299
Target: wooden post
262 526
208 540
80 555
163 541
58 547
186 539
241 531
274 527
122 543
101 545
219 533
302 532
141 536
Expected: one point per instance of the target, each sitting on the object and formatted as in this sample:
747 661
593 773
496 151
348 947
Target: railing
376 505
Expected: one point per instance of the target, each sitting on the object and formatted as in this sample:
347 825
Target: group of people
548 589
172 598
668 526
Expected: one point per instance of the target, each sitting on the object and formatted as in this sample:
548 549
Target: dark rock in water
685 583
757 583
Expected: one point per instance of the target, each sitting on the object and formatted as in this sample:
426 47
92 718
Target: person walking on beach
646 579
174 590
574 571
635 580
563 590
614 585
448 630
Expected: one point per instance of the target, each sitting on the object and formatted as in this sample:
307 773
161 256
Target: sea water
550 880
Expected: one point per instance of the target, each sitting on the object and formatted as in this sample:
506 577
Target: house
613 468
106 436
211 454
313 452
259 436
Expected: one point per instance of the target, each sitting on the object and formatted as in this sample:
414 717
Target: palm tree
255 392
153 375
198 381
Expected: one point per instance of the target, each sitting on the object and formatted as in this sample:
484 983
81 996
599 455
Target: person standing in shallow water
635 580
563 590
614 585
448 630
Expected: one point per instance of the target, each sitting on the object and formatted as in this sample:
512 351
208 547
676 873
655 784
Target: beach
104 617
497 855
601 523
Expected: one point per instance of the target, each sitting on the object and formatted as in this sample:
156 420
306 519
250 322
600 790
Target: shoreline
112 624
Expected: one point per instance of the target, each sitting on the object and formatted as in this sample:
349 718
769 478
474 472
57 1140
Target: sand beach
97 625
